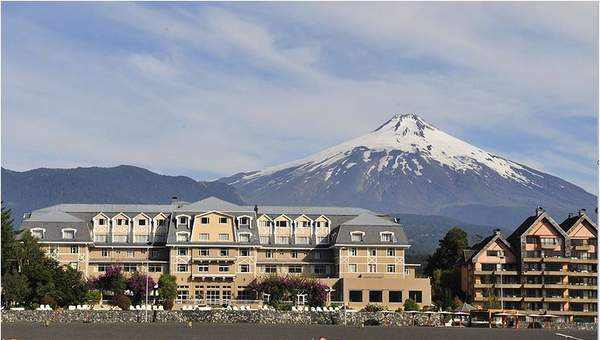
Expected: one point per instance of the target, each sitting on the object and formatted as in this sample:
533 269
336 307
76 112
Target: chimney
497 232
256 209
173 199
582 212
539 211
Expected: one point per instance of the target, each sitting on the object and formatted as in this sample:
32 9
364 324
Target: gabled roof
369 220
572 221
477 248
530 222
211 204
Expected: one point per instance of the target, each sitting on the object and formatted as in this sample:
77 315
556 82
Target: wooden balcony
533 272
533 285
582 287
556 272
583 247
555 299
507 285
482 285
557 259
556 285
582 300
532 299
532 259
590 274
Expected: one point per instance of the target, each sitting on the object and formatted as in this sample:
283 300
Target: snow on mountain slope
408 165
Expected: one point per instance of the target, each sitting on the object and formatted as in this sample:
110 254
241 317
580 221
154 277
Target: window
203 267
355 295
294 254
119 222
182 237
183 295
204 252
317 255
68 234
244 268
269 253
204 237
142 222
100 238
120 238
101 221
244 237
283 240
130 252
270 269
395 296
488 266
282 223
305 224
495 253
549 241
356 237
224 252
129 268
415 295
391 252
295 269
353 268
155 253
182 251
353 251
372 252
320 269
104 252
103 267
244 221
322 239
141 238
74 249
244 252
37 233
264 239
375 296
223 220
199 295
302 240
386 237
223 237
182 268
372 268
182 220
204 220
391 268
161 222
155 268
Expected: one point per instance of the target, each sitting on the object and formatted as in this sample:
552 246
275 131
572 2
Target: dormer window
38 233
101 221
142 222
182 220
161 223
386 237
244 237
244 220
357 236
281 224
183 237
306 224
68 234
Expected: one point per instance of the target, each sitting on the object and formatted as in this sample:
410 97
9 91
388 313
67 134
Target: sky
211 89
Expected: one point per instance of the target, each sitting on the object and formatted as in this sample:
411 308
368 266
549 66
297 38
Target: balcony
556 285
533 285
582 287
204 276
583 273
214 258
533 272
583 247
575 299
507 285
531 258
556 272
482 285
505 272
532 299
554 259
588 260
483 272
555 299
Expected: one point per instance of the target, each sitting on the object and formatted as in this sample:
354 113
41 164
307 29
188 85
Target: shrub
93 296
282 306
113 280
168 304
122 301
372 308
48 300
410 305
285 288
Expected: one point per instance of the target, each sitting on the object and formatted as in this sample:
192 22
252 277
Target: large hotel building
216 248
542 267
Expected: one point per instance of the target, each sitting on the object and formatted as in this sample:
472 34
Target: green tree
15 289
442 267
8 243
167 287
70 287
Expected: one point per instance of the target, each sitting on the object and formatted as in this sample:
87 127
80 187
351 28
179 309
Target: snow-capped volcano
408 165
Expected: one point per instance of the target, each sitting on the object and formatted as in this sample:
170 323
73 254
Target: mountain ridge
408 165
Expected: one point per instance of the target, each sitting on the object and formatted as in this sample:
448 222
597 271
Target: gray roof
52 216
97 208
210 204
53 230
371 226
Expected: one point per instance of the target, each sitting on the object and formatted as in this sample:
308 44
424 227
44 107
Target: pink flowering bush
285 288
137 285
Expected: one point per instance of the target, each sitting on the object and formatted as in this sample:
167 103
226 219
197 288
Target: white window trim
244 233
391 233
182 233
43 230
361 233
121 214
62 231
239 218
178 224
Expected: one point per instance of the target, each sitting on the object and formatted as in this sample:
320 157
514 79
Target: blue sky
211 89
